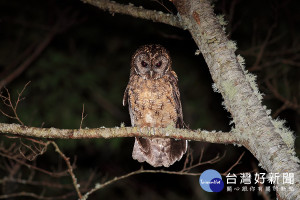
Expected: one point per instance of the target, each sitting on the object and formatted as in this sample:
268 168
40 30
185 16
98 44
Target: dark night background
87 62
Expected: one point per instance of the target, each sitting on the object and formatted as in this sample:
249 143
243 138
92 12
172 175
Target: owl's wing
176 95
177 147
125 97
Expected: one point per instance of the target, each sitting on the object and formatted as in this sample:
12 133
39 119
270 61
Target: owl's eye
144 64
158 64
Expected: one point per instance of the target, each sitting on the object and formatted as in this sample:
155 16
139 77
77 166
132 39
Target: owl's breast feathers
152 103
155 103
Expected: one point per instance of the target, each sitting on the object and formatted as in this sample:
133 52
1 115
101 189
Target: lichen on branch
169 132
139 12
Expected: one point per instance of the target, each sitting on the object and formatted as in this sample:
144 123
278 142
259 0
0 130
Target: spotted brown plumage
154 101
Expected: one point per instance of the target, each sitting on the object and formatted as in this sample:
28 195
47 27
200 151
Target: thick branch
269 142
169 132
139 12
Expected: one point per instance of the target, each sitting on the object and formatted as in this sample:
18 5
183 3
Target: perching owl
154 101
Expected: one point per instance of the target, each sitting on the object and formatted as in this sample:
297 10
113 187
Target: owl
154 101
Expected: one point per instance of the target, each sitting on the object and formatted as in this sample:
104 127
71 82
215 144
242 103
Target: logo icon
211 181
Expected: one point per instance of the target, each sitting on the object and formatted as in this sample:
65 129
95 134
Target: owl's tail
158 151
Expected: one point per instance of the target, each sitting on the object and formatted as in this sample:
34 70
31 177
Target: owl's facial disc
160 66
151 62
142 65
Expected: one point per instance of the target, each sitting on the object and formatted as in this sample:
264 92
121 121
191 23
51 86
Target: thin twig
30 59
201 154
235 164
37 183
263 192
286 102
33 195
82 116
188 154
162 4
212 161
70 169
263 47
8 102
17 60
53 174
140 171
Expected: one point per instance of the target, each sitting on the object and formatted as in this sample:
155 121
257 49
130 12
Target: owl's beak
151 73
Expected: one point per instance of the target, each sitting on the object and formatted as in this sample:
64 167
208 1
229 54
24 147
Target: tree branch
30 59
268 141
70 169
139 12
33 195
169 132
140 171
185 171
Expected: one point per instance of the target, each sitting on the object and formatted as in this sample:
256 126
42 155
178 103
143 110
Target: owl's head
151 61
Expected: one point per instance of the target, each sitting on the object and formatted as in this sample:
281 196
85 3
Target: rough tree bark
241 97
196 135
267 139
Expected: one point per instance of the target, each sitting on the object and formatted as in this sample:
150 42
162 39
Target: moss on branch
197 135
